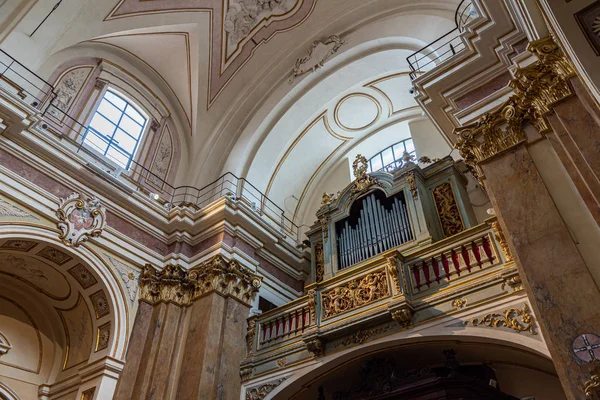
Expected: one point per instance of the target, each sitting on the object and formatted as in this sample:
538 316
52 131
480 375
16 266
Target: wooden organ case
383 212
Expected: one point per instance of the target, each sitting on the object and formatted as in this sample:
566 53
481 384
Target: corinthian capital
177 285
171 284
227 277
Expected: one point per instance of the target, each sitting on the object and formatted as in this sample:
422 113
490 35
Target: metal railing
446 46
38 93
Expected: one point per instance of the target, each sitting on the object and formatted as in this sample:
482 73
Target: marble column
556 277
188 338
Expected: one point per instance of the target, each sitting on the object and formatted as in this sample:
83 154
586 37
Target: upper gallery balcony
394 253
37 122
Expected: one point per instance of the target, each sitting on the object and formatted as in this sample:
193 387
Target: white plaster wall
427 139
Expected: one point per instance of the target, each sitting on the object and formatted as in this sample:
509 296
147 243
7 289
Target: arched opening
432 368
60 314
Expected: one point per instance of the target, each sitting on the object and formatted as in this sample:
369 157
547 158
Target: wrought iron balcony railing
29 88
446 46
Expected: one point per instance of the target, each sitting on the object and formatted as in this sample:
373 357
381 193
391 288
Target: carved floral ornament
517 319
537 88
355 294
316 56
177 285
80 219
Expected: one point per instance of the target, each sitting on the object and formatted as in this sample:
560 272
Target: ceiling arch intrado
238 27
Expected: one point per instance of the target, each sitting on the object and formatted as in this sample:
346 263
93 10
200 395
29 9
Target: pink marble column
563 293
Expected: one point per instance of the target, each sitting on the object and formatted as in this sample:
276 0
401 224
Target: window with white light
390 158
116 129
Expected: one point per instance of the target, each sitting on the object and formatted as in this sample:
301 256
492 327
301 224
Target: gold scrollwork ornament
509 319
363 181
80 219
592 386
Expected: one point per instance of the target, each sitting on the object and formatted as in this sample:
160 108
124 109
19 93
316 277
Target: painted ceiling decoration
238 28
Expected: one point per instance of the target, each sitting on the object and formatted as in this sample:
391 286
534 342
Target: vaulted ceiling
223 68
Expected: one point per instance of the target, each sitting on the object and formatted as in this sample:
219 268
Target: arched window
390 158
116 129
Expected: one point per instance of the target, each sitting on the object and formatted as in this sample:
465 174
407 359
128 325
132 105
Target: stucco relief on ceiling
238 28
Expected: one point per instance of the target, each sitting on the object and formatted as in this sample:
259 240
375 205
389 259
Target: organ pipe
377 228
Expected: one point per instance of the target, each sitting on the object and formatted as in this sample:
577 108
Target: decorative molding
412 184
537 88
363 181
18 245
305 65
501 239
324 221
100 303
250 333
592 387
588 20
282 362
314 345
509 319
174 284
329 198
393 270
54 255
261 391
5 345
312 306
402 313
336 111
362 335
103 337
80 219
447 209
88 394
319 262
10 210
83 276
460 302
355 294
129 277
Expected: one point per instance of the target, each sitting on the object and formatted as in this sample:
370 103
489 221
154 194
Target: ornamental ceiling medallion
320 52
80 219
238 28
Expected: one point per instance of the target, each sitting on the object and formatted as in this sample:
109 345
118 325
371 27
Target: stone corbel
402 312
314 344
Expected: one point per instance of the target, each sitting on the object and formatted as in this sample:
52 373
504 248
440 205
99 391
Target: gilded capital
227 277
537 87
171 284
177 285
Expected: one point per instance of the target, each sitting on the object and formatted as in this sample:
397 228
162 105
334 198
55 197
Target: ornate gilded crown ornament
537 87
80 219
177 285
329 198
363 181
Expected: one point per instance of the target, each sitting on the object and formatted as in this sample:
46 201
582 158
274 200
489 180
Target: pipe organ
380 224
382 211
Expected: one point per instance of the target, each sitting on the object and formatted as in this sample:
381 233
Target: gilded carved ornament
412 184
260 392
460 302
403 315
319 262
80 219
509 319
325 227
363 181
362 335
393 270
537 87
447 209
355 294
312 306
592 386
250 332
501 239
329 198
175 284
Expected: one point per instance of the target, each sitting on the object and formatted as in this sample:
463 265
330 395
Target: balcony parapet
392 291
